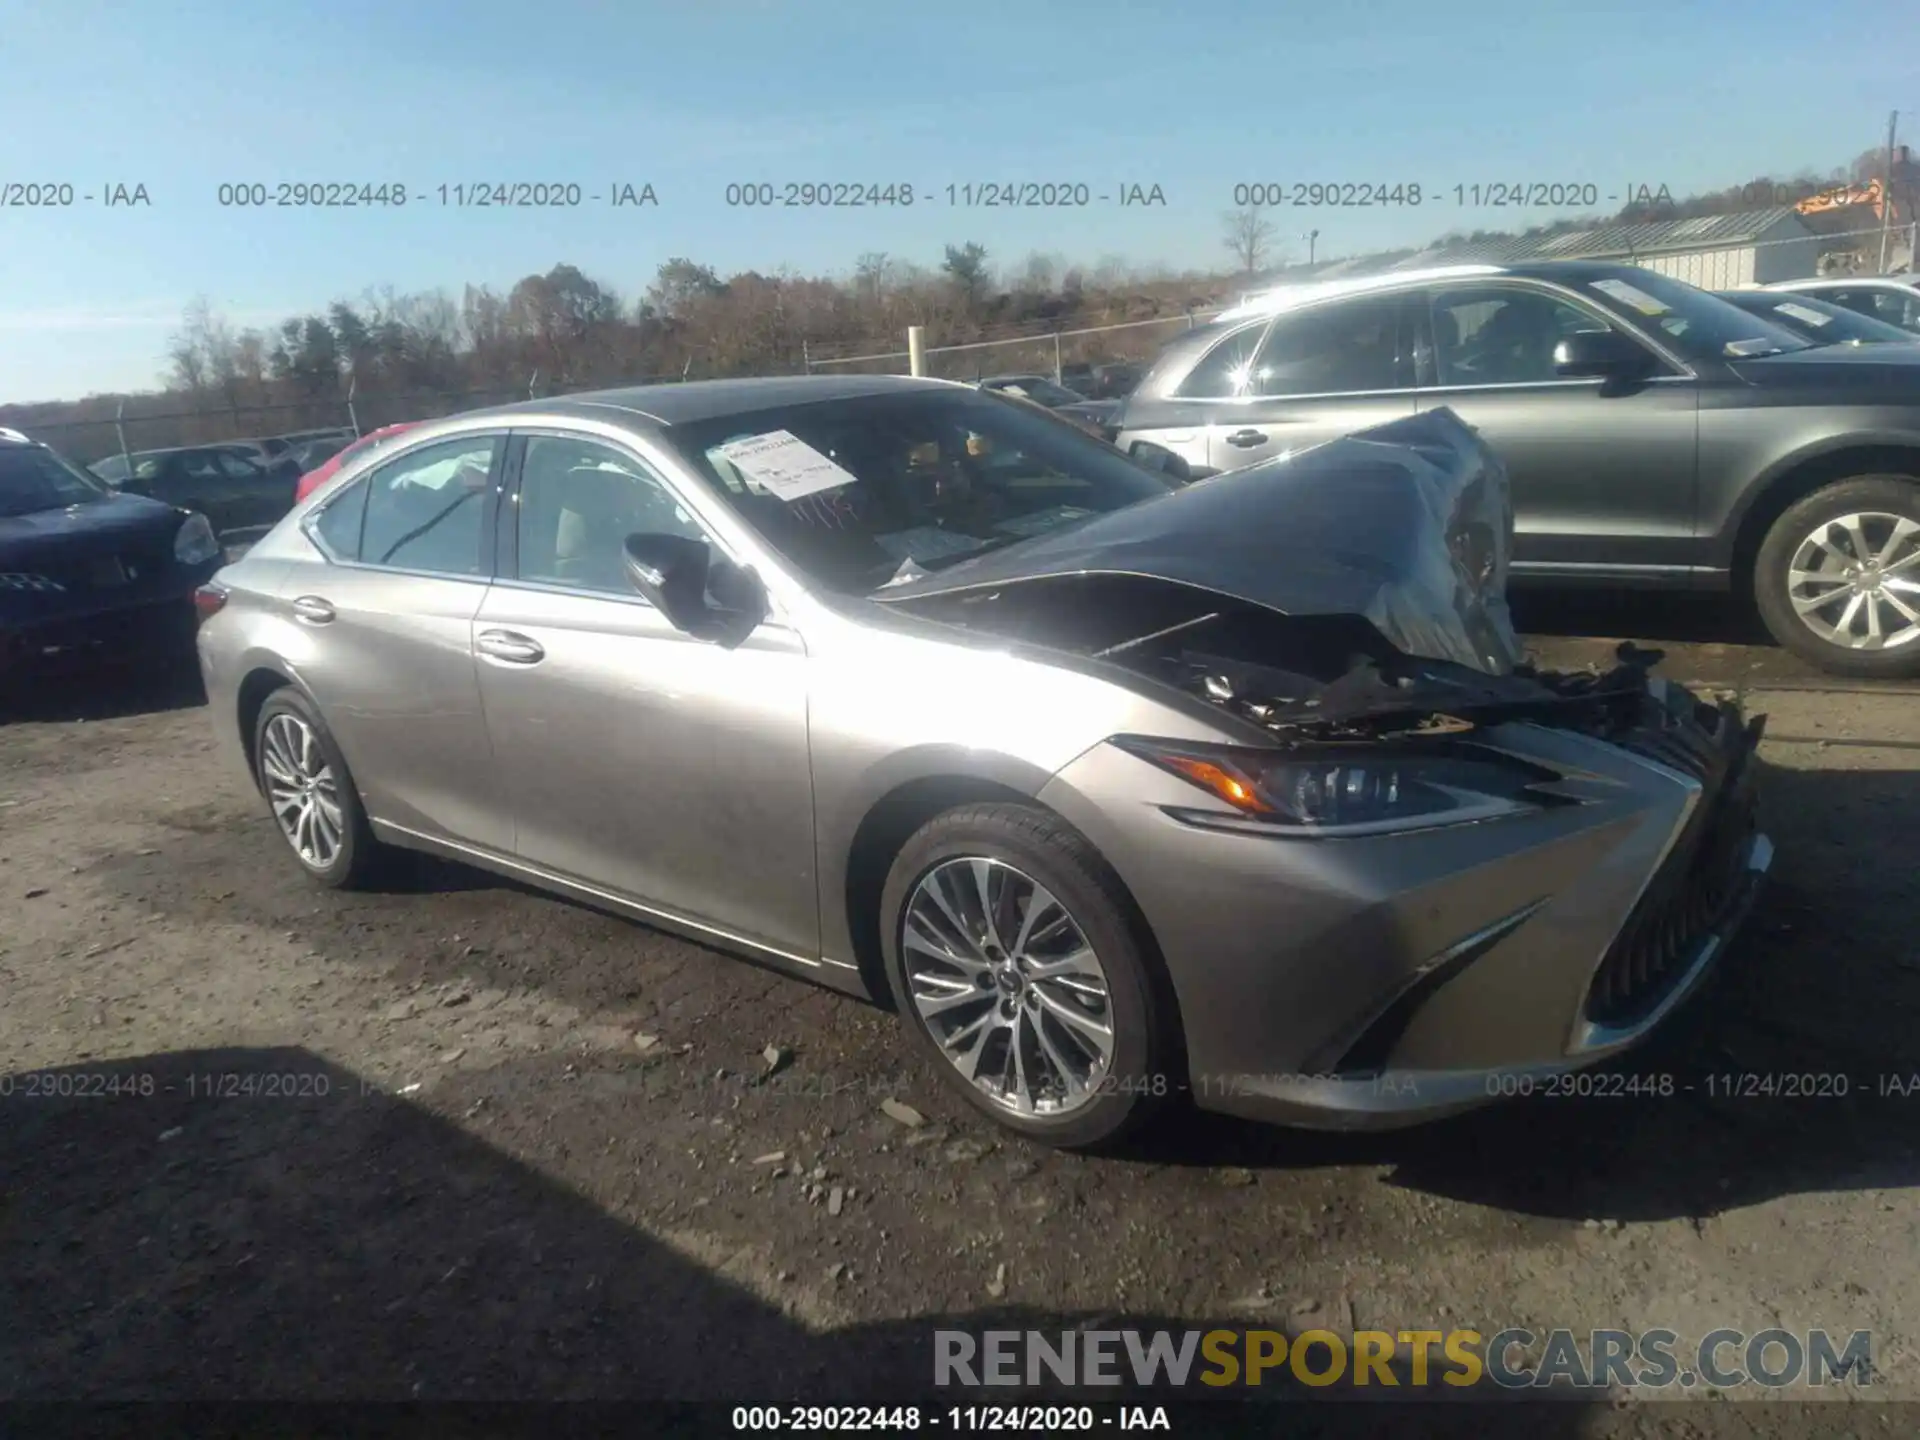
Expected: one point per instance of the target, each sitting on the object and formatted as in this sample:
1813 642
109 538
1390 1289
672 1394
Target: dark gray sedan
1657 436
1118 789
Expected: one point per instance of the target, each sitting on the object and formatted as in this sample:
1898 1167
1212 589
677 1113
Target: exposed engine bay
1305 678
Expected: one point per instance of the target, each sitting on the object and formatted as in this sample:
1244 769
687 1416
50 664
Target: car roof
689 401
1848 282
1290 297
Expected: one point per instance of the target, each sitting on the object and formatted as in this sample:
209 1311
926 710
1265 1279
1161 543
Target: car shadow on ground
1648 615
164 1239
1793 1070
145 686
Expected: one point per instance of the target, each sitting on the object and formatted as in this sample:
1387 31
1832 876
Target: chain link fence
1061 354
131 429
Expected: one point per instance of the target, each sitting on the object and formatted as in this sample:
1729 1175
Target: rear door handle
1247 439
313 610
508 645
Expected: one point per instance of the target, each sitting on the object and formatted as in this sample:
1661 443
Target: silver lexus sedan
1117 788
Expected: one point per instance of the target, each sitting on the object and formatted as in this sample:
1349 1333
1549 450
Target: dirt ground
406 1145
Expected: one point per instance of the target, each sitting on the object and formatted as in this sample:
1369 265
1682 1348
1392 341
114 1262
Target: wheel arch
1792 480
260 683
892 820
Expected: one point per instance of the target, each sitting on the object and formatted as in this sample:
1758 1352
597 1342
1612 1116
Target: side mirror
1604 353
703 596
1161 460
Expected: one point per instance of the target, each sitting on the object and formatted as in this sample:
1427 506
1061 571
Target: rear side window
1225 369
424 508
336 528
1336 349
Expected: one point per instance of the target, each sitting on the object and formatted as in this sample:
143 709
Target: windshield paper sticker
1804 314
785 465
1628 295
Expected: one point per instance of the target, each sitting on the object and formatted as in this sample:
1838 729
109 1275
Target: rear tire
1013 950
311 794
1817 593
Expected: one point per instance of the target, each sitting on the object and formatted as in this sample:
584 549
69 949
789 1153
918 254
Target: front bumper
133 626
1369 983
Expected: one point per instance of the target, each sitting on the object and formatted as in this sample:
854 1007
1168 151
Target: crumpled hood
1408 526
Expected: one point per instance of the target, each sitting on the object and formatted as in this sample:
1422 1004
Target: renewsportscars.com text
1597 1359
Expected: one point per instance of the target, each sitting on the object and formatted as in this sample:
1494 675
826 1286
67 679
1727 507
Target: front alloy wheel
1008 986
1837 579
1854 581
1017 956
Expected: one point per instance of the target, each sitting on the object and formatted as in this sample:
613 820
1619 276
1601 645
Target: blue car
87 571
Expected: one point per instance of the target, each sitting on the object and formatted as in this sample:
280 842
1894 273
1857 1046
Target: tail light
208 601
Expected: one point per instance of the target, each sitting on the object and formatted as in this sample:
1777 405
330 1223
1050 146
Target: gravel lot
487 1187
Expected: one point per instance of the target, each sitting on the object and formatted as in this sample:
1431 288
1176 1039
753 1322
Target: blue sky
1191 95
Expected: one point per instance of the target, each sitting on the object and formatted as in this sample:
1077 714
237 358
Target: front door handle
510 646
313 610
1247 439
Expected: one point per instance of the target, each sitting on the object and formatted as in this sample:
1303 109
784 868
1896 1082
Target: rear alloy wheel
310 792
1012 952
1838 578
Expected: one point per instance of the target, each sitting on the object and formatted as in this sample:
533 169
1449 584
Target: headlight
1355 791
195 542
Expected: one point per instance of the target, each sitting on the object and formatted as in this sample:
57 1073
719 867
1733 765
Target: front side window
424 509
860 492
1339 349
579 501
1501 335
238 467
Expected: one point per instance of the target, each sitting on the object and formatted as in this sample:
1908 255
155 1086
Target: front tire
1016 956
1831 577
311 794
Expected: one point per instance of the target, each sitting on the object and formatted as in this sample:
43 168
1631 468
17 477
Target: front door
1603 473
639 760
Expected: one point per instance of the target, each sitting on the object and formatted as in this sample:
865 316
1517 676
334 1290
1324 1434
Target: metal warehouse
1715 252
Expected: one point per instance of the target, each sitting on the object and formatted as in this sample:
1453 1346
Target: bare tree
1249 235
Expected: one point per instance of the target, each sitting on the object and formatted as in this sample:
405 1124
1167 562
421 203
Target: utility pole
1886 194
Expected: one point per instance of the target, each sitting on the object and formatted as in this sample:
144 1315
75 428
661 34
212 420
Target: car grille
134 566
1703 875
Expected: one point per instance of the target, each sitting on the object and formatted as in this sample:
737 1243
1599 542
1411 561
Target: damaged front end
1351 592
1346 609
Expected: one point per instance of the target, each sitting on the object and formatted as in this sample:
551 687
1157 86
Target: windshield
1700 325
1820 321
33 478
857 493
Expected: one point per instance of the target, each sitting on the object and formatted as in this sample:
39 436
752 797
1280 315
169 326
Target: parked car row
1656 435
1114 787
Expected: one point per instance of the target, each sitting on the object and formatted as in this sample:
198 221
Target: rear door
382 636
1314 375
1604 475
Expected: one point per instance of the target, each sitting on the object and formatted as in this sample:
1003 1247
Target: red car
314 479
